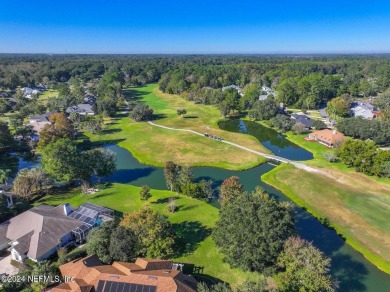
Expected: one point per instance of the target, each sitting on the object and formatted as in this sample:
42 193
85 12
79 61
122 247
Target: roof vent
152 278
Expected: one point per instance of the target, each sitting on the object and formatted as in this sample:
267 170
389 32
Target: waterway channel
353 271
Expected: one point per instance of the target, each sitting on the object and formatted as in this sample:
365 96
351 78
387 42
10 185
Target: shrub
141 112
181 112
299 128
144 193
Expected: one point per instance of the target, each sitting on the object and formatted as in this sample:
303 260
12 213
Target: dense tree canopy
305 268
365 157
99 241
141 112
251 94
357 127
153 231
282 122
263 110
339 106
60 128
251 231
62 160
5 136
30 181
230 190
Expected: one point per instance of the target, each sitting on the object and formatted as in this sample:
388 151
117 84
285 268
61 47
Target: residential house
42 87
147 275
239 90
327 137
84 109
28 92
362 109
90 98
38 122
266 91
263 96
39 232
303 119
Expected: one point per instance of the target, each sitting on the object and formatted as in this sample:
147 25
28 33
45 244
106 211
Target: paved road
299 165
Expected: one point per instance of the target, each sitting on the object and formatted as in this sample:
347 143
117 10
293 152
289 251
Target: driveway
6 267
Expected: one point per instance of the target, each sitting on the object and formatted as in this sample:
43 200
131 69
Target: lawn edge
270 178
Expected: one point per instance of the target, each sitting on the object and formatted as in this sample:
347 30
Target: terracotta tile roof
79 268
153 264
89 271
328 136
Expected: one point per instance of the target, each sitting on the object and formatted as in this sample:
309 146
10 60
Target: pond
16 161
271 139
354 272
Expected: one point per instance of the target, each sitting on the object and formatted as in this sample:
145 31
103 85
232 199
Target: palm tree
44 268
4 175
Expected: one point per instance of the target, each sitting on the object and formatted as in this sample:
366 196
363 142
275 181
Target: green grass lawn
43 97
357 205
196 217
155 146
358 208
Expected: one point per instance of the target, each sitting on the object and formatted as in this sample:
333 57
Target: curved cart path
299 165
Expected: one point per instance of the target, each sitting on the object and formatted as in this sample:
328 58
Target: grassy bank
359 214
154 146
195 217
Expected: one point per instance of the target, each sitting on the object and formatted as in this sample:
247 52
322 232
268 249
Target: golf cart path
299 165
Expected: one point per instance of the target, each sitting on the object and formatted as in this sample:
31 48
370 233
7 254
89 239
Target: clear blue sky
140 26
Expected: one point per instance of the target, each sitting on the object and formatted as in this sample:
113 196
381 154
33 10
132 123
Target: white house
362 109
28 92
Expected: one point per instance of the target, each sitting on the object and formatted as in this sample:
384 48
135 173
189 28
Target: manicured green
199 216
154 145
43 97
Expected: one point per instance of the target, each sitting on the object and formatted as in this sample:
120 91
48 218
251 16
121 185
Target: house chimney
67 209
334 132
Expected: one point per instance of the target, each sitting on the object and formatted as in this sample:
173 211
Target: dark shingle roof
303 119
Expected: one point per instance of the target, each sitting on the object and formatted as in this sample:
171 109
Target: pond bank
350 232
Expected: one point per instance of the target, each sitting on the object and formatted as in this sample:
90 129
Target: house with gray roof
28 92
266 92
90 98
362 109
39 232
38 122
84 109
303 119
42 118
